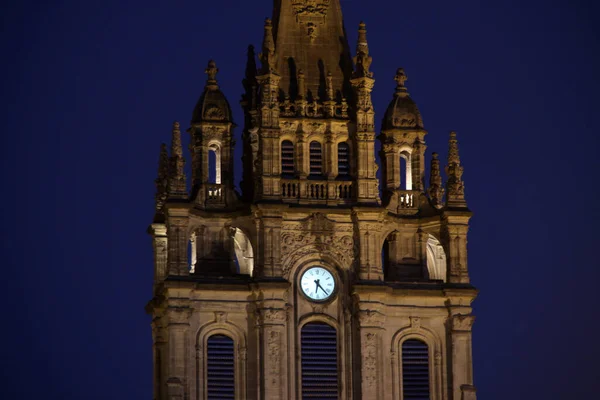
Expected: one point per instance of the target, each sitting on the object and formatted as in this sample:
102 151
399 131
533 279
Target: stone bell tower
308 283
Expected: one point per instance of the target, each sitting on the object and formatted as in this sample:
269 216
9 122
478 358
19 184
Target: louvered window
319 361
287 157
415 370
343 159
220 370
316 159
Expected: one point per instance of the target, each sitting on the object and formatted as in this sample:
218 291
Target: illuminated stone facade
229 264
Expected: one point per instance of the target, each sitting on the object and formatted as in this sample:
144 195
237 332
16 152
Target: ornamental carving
214 112
309 9
462 322
369 346
273 351
415 322
271 315
317 234
371 318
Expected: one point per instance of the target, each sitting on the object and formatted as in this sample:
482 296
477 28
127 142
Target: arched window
287 157
405 171
214 164
319 361
316 158
343 159
220 376
415 370
436 259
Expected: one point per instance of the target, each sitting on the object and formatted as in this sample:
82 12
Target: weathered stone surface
230 265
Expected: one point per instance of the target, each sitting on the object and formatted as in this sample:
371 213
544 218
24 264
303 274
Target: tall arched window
319 361
405 171
220 376
316 158
415 370
343 159
214 164
287 157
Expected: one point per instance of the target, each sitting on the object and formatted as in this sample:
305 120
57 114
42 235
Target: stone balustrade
296 190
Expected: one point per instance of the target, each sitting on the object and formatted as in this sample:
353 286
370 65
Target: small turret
362 60
455 188
402 111
177 180
162 183
435 190
212 146
267 57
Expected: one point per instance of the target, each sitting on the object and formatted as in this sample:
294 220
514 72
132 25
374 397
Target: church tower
317 280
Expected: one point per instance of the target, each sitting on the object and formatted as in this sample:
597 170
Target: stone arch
398 257
214 147
311 254
243 251
221 326
435 350
436 259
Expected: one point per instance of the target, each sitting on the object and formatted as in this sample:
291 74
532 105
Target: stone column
159 245
462 358
371 322
177 350
177 241
454 238
274 360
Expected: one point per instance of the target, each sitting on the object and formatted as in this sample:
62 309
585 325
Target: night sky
90 90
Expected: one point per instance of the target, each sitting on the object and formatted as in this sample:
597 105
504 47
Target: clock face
317 283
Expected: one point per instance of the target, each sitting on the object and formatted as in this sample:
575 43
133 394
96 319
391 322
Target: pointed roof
310 36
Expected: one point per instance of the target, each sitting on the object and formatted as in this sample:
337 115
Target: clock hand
321 287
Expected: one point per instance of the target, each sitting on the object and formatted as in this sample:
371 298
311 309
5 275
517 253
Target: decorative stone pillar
178 330
454 237
371 323
462 357
177 241
274 360
159 245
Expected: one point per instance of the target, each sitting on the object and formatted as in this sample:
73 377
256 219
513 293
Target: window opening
316 158
319 361
343 159
220 369
287 157
415 370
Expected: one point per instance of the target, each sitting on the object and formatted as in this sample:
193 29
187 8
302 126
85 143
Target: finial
267 57
329 86
455 186
176 149
162 178
177 184
362 59
435 191
211 71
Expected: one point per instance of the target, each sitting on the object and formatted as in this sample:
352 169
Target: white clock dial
317 283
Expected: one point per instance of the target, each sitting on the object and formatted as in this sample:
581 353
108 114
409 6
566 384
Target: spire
161 180
267 57
435 191
455 188
362 60
177 184
309 35
211 71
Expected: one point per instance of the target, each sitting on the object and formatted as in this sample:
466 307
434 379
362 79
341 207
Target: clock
317 283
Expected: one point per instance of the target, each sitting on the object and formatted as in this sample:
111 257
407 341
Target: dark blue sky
91 89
